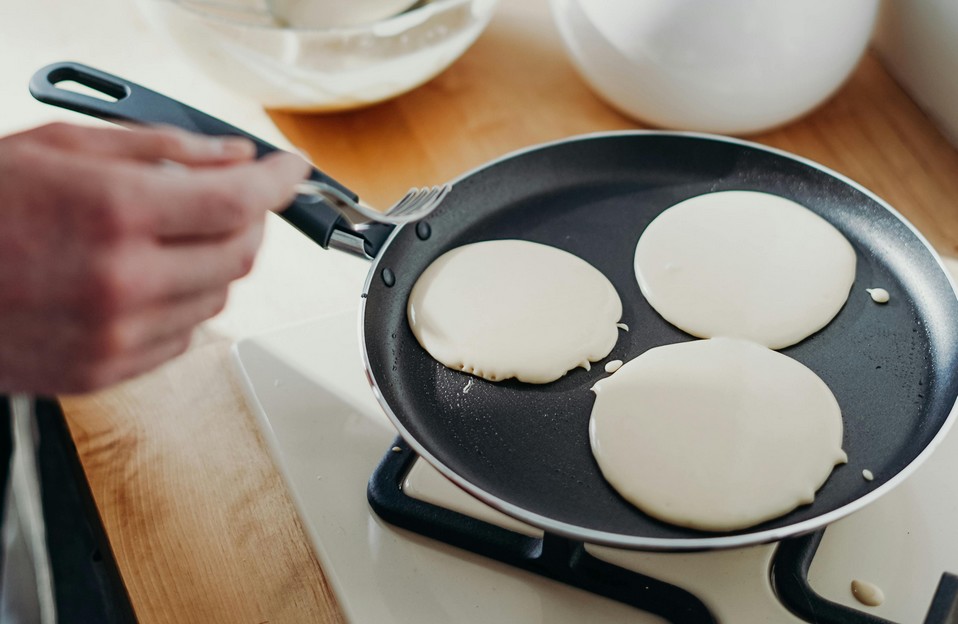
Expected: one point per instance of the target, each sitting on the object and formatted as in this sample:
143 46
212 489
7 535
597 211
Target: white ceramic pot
727 66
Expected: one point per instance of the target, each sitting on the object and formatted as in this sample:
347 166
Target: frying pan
524 449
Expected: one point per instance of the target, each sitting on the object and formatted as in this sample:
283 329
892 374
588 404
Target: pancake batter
717 434
512 308
745 264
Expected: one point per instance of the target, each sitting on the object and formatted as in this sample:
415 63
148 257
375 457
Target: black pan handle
130 102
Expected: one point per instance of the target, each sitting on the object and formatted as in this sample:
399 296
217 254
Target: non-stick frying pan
523 448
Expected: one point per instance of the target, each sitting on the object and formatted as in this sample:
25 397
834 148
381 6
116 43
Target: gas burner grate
790 580
567 561
552 556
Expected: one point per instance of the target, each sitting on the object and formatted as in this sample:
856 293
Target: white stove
328 434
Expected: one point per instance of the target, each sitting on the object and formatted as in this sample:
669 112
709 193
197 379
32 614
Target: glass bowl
242 46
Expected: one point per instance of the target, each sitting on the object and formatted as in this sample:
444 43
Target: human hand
115 244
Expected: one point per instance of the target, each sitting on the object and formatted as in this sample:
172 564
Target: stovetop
328 434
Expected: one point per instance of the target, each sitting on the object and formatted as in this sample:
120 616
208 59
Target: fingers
149 144
160 323
215 202
185 269
141 342
68 356
180 316
152 273
171 202
145 360
125 366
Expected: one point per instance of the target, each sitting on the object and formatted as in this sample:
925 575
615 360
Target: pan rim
632 542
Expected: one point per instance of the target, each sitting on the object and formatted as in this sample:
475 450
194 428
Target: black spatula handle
130 102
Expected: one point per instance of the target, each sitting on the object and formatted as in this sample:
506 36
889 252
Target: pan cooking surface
525 448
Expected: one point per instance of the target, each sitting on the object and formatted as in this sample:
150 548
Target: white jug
726 66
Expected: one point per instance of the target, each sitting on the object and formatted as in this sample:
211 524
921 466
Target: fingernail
234 147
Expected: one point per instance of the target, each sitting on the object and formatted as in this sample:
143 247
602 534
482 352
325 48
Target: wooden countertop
198 517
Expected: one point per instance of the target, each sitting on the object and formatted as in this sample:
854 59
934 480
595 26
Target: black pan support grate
790 579
567 561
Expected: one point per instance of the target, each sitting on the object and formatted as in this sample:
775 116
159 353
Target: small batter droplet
867 474
878 295
868 594
613 365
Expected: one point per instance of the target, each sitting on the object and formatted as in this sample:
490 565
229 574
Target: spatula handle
125 101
